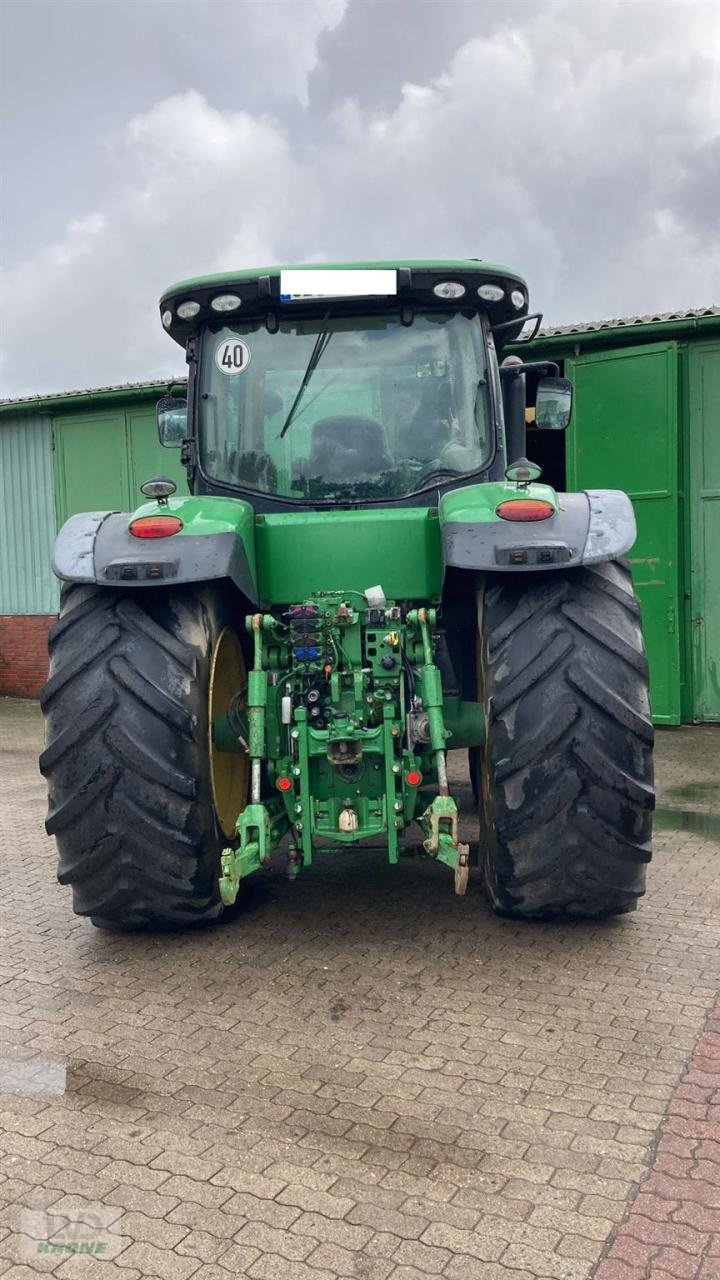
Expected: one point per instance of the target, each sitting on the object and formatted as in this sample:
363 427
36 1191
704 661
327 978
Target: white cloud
578 144
192 190
285 34
557 151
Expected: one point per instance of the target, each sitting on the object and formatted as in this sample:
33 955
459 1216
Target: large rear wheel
140 802
565 780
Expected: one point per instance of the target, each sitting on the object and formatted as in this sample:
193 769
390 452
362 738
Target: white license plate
295 286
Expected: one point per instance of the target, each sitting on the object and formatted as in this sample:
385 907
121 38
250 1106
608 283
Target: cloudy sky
577 141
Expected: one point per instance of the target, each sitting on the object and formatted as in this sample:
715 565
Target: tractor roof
351 287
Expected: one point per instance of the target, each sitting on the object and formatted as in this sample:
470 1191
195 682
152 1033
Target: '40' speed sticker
232 356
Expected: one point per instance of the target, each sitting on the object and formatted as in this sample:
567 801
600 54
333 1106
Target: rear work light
525 509
155 526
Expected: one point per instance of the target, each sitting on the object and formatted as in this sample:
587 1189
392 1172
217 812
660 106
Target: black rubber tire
566 775
127 759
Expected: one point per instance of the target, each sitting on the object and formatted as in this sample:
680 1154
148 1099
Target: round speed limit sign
232 355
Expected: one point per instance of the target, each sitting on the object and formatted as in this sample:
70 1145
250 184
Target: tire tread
565 778
127 756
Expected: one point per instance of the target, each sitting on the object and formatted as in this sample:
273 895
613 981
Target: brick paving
362 1077
672 1227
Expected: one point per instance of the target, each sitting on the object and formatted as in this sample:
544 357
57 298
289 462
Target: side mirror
171 421
553 404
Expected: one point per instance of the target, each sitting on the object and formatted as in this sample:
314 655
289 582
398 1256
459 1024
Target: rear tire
128 759
566 777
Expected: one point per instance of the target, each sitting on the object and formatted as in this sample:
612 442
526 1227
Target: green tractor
367 574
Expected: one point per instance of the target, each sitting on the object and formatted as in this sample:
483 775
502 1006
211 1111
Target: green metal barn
646 419
78 451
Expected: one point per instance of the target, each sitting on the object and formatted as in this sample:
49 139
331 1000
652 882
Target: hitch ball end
347 820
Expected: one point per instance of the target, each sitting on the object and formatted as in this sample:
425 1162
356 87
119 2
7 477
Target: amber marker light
525 509
155 526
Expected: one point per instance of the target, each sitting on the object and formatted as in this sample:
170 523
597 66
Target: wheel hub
229 771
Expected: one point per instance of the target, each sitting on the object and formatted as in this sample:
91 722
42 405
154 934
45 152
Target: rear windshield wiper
321 345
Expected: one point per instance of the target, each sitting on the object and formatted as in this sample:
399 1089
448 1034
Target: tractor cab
332 386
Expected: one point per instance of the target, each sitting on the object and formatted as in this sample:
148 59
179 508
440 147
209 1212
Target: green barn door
101 459
623 435
91 463
704 392
148 457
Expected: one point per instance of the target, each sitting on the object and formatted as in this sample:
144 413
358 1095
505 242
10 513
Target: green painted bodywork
293 556
204 515
449 265
207 516
302 553
464 723
477 503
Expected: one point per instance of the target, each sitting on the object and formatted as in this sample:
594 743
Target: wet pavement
362 1076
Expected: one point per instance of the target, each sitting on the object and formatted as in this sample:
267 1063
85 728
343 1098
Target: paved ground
364 1076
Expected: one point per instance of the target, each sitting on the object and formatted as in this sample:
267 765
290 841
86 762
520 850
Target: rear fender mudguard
587 528
217 541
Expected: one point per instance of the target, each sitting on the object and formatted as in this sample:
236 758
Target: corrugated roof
627 322
90 391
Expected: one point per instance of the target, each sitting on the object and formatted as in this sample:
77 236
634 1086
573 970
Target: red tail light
155 526
525 509
283 783
413 777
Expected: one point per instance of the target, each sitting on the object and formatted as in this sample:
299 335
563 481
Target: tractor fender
97 547
74 551
587 528
612 529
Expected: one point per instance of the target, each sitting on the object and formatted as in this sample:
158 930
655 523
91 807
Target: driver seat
343 449
429 429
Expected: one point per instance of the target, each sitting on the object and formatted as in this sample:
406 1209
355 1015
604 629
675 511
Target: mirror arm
521 320
530 366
